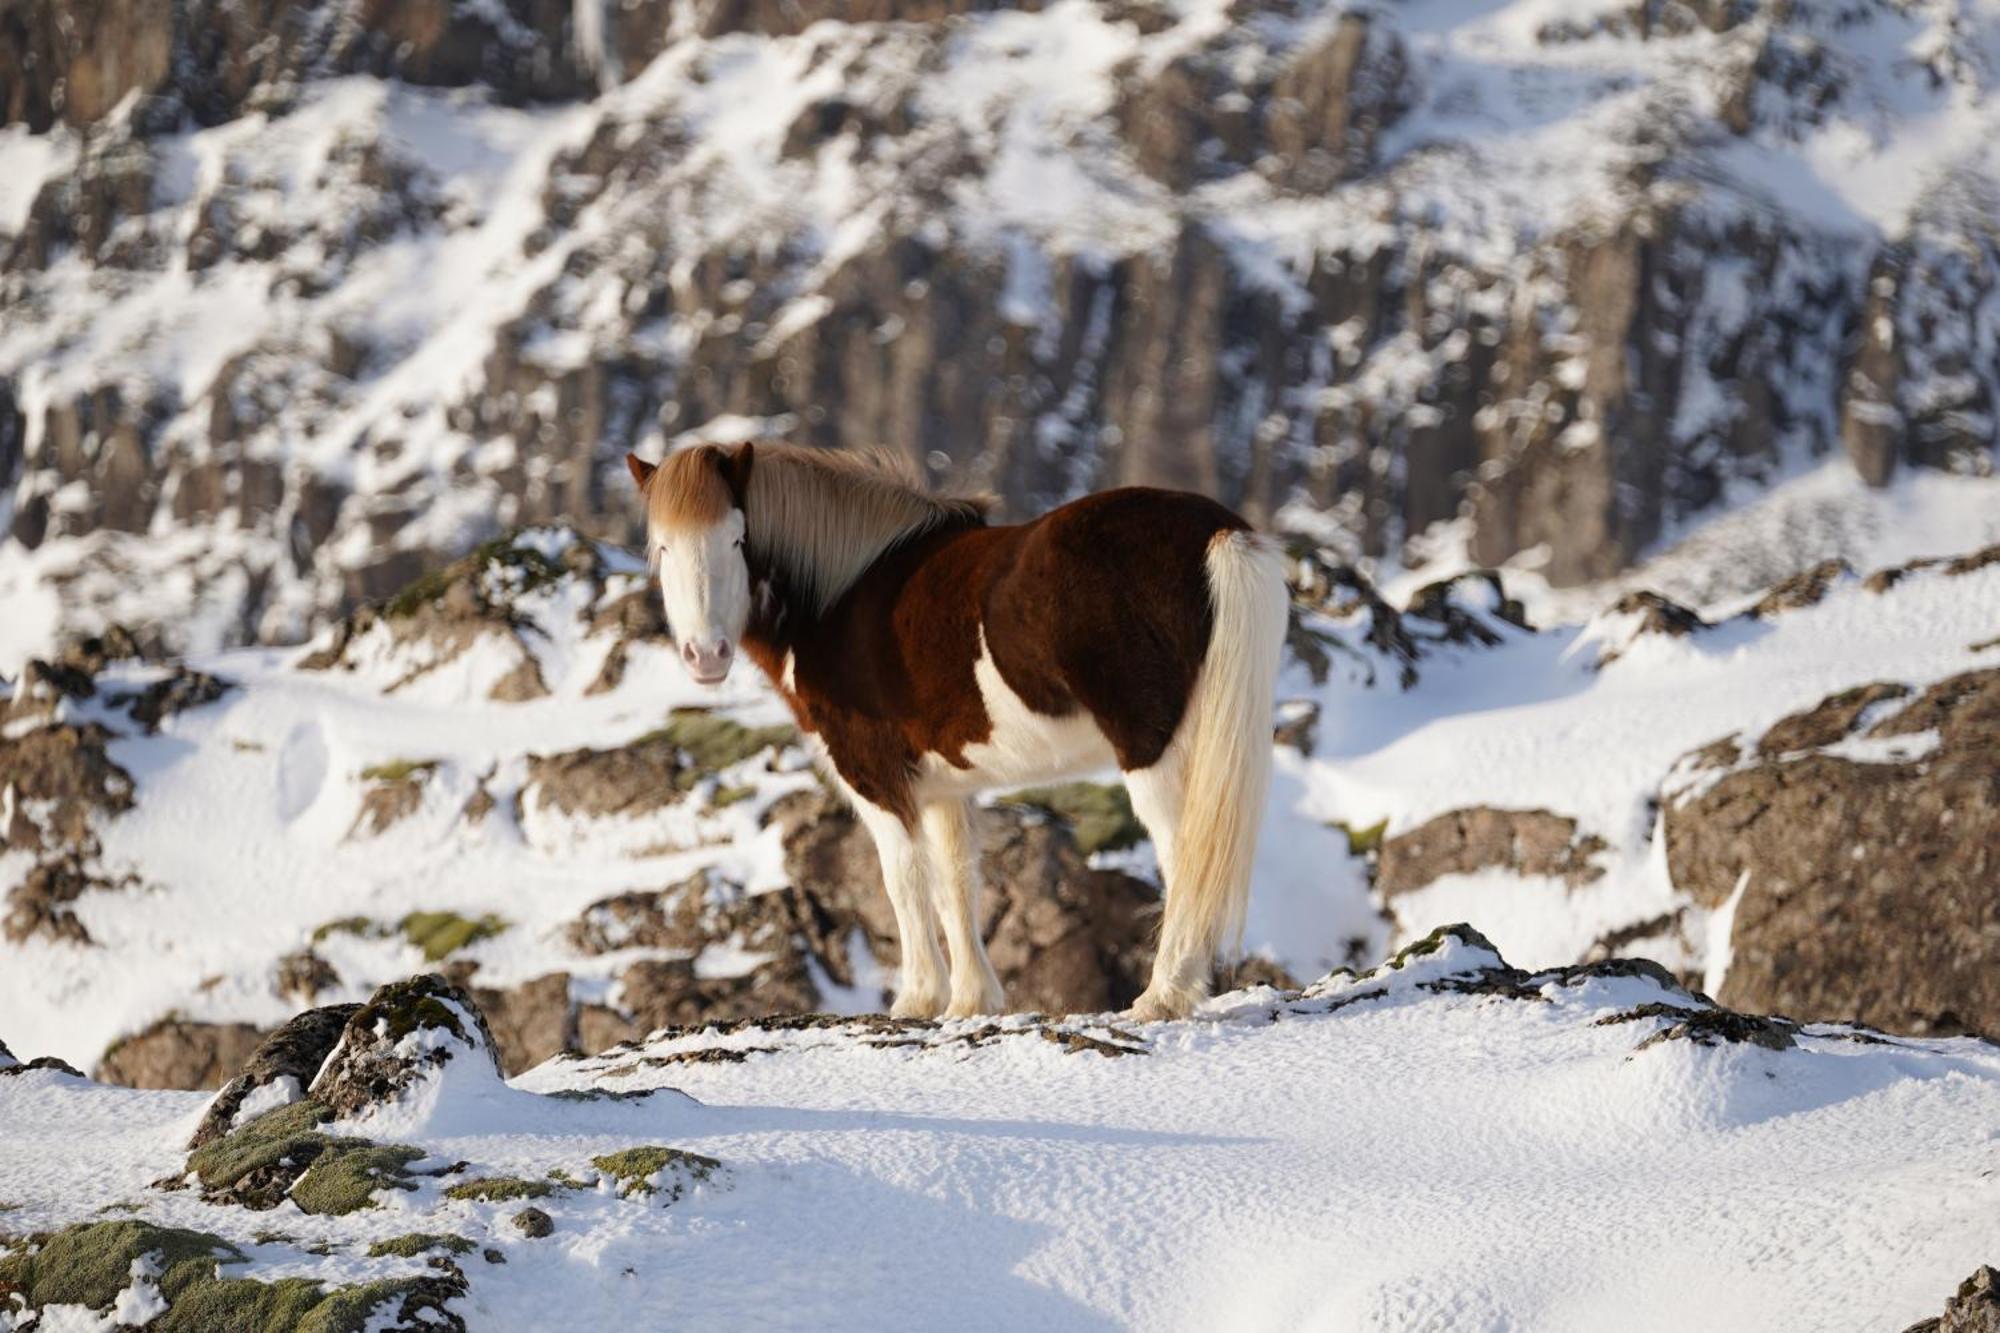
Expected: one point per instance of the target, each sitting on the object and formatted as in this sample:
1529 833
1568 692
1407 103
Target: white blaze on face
705 582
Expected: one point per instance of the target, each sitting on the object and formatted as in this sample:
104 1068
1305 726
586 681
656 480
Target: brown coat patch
1100 605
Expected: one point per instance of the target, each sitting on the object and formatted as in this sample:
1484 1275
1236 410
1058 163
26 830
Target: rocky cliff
306 296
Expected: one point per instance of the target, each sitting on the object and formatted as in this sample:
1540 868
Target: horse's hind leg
1178 982
947 830
920 986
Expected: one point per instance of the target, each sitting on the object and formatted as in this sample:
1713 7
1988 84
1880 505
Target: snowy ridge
1446 1143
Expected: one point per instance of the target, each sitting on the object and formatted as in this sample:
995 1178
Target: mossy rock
635 1170
709 742
1434 941
500 1189
345 1180
400 770
89 1265
1364 841
440 934
300 1305
417 1243
1098 814
530 568
727 796
365 927
282 1153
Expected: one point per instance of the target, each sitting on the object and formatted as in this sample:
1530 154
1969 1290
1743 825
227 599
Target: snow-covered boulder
403 1049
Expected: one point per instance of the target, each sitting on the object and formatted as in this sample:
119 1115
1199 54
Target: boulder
1864 836
295 1052
407 1034
1527 842
179 1053
1973 1308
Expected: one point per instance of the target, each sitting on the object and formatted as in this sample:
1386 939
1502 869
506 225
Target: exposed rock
303 976
1641 613
179 1053
1973 1308
657 769
530 1022
295 1051
394 793
1802 589
1828 847
63 779
1526 842
533 1223
406 1033
437 618
180 689
1063 938
40 903
1827 721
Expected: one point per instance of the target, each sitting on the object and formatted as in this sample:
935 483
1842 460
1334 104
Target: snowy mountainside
291 320
1444 1142
504 772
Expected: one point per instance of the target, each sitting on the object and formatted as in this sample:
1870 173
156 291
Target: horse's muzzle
708 663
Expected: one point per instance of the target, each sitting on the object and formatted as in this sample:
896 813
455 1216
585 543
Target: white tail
1227 740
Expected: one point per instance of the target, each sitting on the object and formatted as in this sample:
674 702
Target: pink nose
708 662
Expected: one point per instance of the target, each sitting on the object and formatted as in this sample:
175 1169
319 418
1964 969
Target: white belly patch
1025 746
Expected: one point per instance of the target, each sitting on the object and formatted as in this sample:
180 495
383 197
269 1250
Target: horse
929 654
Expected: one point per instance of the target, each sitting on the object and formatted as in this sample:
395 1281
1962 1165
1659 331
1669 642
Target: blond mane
819 517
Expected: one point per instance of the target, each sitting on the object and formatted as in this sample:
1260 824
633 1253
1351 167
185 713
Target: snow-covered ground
1381 1153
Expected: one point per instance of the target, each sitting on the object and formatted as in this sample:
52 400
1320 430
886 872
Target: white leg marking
920 988
954 881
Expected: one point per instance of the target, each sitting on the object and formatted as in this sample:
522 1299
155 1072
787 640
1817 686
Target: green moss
286 1134
1366 840
419 1242
347 925
440 934
635 1169
349 1309
89 1265
262 1161
1434 941
1099 815
243 1304
727 796
399 770
344 1179
499 1189
710 742
566 1180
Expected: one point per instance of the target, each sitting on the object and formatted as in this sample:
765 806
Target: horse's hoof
1159 1007
917 1005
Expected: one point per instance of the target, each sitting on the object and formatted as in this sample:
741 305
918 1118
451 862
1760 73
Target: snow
1378 1154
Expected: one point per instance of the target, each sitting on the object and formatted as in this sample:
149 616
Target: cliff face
303 297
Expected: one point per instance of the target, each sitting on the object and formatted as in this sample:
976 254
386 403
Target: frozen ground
1375 1155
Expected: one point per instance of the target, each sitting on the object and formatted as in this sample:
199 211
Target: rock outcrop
1282 275
405 1036
1973 1308
1858 840
1526 842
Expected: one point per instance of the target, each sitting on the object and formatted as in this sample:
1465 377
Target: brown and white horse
932 656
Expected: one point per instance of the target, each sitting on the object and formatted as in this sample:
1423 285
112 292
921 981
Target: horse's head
696 528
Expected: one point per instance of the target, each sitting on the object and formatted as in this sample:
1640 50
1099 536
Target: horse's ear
642 471
736 471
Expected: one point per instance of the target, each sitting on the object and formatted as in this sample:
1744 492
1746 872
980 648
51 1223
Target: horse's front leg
920 987
955 886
